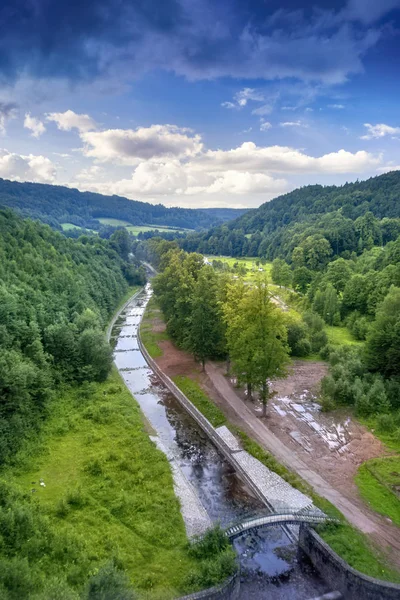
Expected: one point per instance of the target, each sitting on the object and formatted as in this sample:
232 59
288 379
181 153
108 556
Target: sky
198 103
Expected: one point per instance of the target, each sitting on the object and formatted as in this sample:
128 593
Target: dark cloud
195 38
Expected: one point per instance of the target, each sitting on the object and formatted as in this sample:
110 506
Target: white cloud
70 120
128 146
90 174
389 167
336 106
283 159
289 107
247 94
19 167
218 176
379 131
265 125
35 125
293 124
229 105
266 109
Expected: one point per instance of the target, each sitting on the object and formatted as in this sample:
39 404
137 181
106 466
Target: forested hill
56 295
334 212
57 204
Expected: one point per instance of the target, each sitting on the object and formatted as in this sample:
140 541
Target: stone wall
351 583
229 590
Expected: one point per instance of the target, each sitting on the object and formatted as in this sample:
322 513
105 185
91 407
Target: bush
385 423
210 544
298 341
109 584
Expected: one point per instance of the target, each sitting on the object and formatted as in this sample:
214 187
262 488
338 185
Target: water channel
271 564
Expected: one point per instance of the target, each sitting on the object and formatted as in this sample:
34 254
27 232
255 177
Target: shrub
385 424
109 584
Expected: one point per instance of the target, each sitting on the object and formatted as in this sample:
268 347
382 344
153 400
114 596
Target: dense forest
212 313
345 219
57 204
56 295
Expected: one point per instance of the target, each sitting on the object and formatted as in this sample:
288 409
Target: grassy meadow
107 494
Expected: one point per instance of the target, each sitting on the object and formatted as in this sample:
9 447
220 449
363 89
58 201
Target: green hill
334 212
57 205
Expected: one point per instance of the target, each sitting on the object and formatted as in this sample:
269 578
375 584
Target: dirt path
353 509
319 460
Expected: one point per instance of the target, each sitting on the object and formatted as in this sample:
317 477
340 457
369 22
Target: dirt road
353 509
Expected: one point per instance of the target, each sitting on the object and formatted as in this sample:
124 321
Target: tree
317 251
204 336
281 273
339 273
302 277
257 338
383 341
240 353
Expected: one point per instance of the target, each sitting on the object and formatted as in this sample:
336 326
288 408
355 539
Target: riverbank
352 545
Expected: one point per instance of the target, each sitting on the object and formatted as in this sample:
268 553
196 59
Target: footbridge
278 518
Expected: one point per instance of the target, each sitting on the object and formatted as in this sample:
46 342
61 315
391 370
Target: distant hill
57 204
331 211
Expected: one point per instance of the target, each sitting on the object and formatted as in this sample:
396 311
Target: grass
149 337
69 226
379 483
248 263
201 401
114 222
136 229
110 487
341 336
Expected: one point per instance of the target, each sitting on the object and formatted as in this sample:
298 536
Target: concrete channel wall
229 590
204 424
351 583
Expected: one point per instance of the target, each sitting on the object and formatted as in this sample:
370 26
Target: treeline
341 220
56 296
57 204
363 294
215 316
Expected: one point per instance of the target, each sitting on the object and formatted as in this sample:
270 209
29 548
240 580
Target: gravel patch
193 512
279 494
229 438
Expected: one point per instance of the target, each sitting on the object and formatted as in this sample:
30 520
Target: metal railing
287 516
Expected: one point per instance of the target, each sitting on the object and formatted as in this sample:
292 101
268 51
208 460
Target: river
272 567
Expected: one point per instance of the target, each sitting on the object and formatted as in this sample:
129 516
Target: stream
272 566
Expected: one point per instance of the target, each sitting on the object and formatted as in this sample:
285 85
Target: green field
252 270
136 229
113 222
379 483
341 335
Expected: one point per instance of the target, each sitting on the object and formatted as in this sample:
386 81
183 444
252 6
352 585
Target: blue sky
196 102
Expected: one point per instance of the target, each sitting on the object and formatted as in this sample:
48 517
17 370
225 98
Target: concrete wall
351 583
204 424
229 590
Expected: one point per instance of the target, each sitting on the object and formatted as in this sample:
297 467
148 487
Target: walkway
367 523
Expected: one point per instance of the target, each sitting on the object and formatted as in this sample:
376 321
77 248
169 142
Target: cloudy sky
198 102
